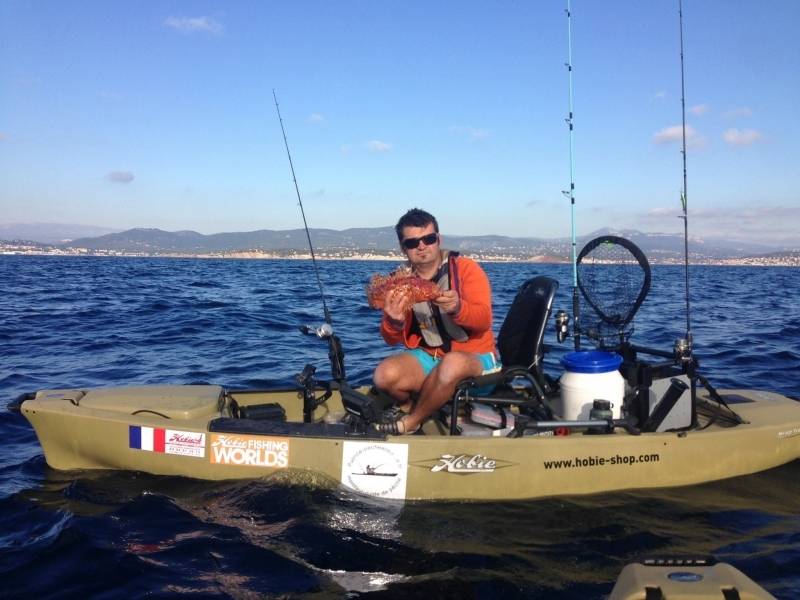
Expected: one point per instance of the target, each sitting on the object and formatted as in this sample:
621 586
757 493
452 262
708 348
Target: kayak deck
192 431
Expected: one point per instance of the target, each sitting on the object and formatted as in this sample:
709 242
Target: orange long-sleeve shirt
474 316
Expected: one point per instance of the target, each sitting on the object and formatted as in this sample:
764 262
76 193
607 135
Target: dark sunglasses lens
429 239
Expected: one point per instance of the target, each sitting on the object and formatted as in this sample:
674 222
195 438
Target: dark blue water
101 321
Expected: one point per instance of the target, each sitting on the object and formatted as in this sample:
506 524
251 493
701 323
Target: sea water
93 321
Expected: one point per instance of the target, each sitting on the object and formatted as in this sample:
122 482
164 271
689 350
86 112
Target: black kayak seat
521 338
520 341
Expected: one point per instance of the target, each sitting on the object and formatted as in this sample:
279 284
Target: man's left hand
448 302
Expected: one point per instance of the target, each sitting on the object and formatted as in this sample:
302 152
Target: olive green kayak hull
187 431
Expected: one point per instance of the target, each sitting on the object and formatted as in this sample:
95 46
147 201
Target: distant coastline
787 259
380 244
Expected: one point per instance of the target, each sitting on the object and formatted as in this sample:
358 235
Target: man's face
422 253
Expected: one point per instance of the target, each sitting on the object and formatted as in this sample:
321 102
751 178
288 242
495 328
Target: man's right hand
395 307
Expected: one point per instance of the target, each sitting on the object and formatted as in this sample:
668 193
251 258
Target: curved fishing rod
685 215
303 213
326 331
571 192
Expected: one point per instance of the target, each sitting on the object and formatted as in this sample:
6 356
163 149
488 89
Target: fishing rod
303 213
685 215
571 192
326 330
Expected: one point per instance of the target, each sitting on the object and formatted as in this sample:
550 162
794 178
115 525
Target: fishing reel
335 352
562 325
683 350
323 331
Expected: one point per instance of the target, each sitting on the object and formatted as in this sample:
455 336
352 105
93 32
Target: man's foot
396 412
406 407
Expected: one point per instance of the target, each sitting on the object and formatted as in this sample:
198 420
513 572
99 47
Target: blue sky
160 114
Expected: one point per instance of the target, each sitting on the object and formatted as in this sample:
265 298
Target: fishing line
303 213
685 215
571 192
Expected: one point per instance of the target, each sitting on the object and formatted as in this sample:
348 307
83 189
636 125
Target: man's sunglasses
430 239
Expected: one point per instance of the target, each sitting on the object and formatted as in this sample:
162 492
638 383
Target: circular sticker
375 469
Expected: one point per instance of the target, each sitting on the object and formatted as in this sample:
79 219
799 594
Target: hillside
381 241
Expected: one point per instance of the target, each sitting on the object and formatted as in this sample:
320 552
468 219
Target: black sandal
389 428
392 428
392 414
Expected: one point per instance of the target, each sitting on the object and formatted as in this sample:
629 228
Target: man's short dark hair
416 217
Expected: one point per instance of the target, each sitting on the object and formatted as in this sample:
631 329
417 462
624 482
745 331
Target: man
447 339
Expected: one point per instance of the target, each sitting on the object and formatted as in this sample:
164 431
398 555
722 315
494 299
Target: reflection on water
102 322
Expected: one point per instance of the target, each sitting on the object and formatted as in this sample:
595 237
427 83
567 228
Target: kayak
685 578
200 432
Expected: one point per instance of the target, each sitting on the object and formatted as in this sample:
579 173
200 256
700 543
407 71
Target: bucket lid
591 361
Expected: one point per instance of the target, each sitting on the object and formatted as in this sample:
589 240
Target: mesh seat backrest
522 333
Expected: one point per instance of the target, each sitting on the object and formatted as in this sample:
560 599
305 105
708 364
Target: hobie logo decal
250 451
463 463
167 441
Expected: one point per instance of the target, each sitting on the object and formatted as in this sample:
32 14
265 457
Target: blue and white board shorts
491 364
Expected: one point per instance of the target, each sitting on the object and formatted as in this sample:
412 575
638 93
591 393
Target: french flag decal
146 438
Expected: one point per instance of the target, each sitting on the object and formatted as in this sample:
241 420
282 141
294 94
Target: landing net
614 278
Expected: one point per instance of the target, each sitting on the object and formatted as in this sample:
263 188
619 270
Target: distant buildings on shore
14 247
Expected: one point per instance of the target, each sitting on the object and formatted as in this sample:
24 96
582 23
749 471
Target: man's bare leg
400 376
439 387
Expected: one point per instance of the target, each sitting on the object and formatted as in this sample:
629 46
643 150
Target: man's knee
456 366
393 371
386 374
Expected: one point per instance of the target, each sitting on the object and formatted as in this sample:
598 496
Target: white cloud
699 109
26 82
473 134
755 222
315 118
662 211
776 224
670 134
742 111
660 95
345 149
674 134
741 137
378 146
120 176
193 25
109 95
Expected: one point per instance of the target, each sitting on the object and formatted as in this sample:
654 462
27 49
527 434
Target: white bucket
589 376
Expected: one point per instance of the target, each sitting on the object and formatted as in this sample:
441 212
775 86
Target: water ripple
97 321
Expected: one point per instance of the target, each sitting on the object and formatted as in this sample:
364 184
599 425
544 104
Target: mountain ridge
382 240
51 233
